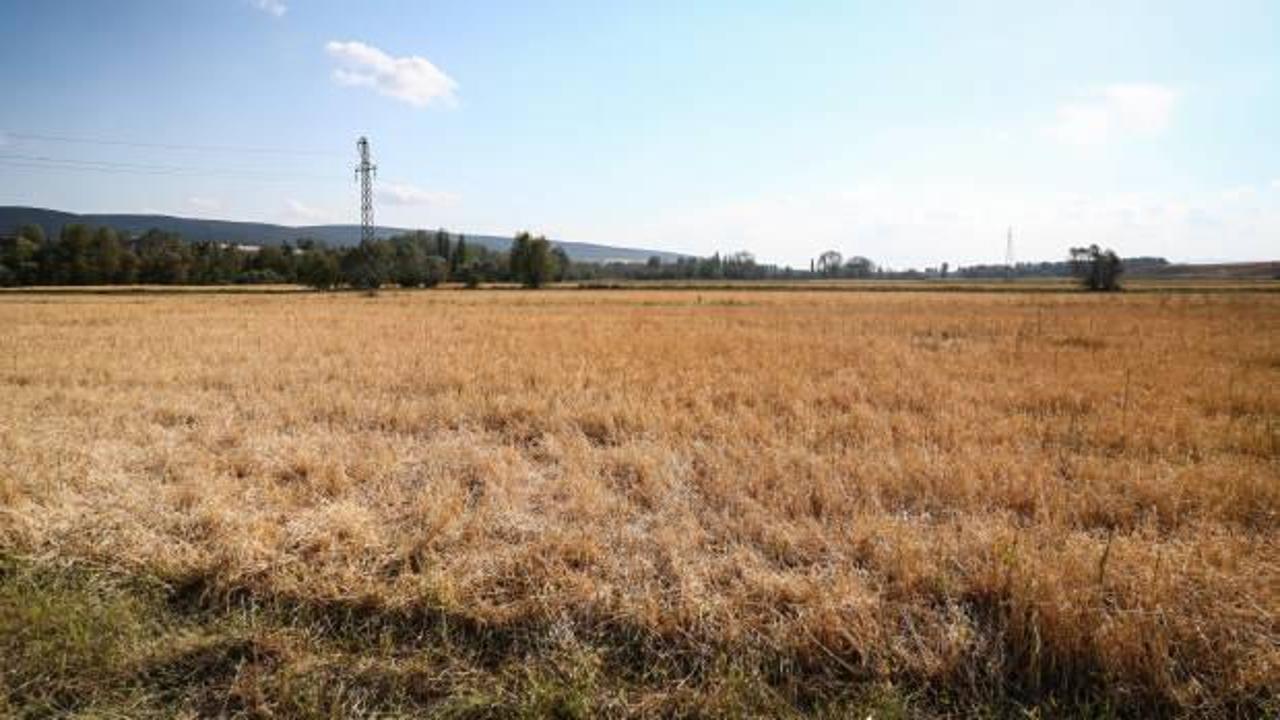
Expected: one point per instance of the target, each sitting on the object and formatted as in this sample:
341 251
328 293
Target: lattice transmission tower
365 173
1009 261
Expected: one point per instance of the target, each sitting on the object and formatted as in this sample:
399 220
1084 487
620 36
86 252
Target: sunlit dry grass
987 496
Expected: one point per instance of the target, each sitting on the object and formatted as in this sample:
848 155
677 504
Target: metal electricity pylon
1008 255
365 172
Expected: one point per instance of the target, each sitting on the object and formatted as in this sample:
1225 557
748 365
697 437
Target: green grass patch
79 641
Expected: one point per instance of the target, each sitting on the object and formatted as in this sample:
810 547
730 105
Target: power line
110 167
57 163
38 137
103 163
51 166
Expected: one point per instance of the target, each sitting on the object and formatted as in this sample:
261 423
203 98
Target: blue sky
912 133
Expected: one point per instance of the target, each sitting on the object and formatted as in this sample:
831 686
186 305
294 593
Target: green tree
487 267
435 270
272 259
163 258
128 273
532 264
829 262
32 232
562 263
368 265
409 268
443 245
107 254
458 259
541 263
1097 269
20 256
72 260
860 267
318 268
518 258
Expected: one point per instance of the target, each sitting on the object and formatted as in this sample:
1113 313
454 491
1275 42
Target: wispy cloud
412 79
298 211
272 7
393 194
1115 111
204 204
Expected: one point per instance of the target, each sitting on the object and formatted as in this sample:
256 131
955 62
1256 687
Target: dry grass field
640 503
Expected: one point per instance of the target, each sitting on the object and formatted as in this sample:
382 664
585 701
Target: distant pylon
365 172
1008 253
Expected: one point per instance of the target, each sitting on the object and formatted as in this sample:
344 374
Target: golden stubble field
982 495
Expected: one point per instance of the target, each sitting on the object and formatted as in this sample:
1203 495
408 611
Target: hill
250 233
1216 271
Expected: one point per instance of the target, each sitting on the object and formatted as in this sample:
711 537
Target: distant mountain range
249 233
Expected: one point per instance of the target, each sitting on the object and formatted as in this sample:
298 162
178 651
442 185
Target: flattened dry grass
793 500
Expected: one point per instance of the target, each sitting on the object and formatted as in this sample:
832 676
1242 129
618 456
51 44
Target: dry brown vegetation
651 502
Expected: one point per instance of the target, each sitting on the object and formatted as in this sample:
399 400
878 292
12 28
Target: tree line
86 255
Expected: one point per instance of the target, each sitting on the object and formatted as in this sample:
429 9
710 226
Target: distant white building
241 248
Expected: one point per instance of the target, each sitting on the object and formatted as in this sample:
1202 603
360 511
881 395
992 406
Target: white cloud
273 7
412 79
1115 111
297 211
393 194
204 204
